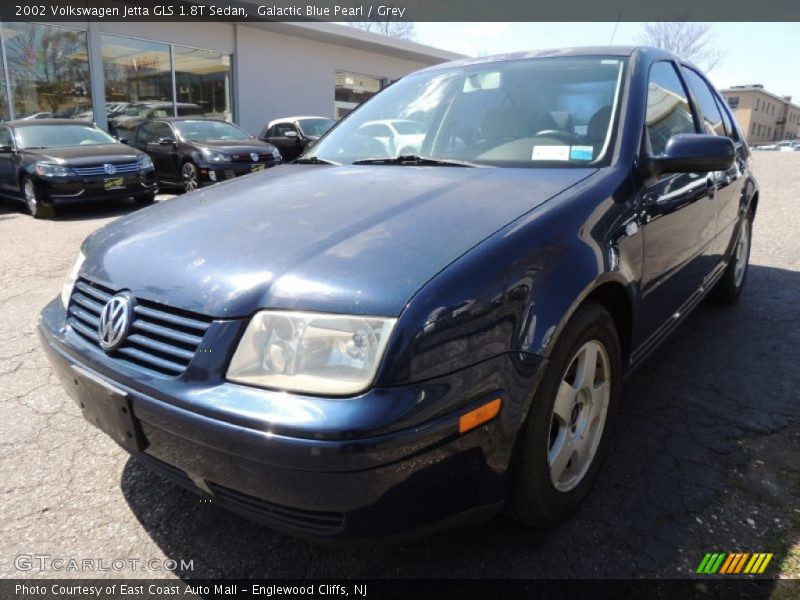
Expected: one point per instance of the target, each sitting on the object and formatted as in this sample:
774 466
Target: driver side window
668 110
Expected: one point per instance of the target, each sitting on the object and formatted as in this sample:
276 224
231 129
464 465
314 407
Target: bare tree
690 41
392 28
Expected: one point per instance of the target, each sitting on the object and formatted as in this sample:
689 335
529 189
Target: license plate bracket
257 167
109 409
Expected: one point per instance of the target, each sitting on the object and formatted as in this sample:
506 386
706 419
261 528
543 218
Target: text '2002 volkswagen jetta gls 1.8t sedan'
362 345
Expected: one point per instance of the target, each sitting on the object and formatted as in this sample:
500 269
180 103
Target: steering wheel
558 134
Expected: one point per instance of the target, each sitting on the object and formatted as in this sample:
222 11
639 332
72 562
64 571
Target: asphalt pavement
704 457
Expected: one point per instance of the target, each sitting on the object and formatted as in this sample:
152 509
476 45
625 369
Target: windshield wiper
413 159
314 160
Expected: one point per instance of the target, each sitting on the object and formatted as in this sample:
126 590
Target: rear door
679 213
8 163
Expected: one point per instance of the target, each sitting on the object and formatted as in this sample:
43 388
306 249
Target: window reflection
48 68
203 78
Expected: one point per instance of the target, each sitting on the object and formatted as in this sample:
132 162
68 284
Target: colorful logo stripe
734 562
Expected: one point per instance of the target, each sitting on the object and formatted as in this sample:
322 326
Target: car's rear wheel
564 439
190 177
730 286
33 200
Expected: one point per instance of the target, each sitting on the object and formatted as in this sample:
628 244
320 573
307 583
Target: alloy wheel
742 254
579 415
30 196
189 173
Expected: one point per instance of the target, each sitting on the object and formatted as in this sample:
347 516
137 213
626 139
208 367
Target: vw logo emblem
110 169
254 156
115 320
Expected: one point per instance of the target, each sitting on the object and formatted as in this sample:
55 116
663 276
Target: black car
53 162
192 152
293 135
357 345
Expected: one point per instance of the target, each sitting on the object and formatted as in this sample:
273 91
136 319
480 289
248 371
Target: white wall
282 75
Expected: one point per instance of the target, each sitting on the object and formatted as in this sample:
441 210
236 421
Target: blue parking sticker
581 152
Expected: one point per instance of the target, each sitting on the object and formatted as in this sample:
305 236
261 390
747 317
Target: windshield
57 136
532 112
193 131
316 127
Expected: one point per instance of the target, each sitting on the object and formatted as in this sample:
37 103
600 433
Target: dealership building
248 73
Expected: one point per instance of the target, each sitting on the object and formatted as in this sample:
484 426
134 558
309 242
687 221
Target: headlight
213 156
310 352
276 154
145 163
51 170
72 276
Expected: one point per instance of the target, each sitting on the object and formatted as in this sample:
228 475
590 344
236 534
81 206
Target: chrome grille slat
161 339
152 359
141 340
170 318
177 336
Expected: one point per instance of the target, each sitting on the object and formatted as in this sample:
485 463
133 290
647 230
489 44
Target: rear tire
562 443
33 200
730 286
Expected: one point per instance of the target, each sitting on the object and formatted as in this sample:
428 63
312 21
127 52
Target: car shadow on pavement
727 375
79 212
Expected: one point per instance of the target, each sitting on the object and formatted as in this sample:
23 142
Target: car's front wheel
33 201
190 177
562 443
730 286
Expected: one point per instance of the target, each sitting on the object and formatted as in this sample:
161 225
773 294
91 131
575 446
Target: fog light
479 416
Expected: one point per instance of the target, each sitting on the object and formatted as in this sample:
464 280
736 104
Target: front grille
262 156
161 339
101 169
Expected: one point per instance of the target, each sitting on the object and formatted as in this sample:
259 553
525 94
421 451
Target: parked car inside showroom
190 152
357 346
293 135
55 162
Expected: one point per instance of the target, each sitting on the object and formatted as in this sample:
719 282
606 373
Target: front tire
33 200
563 441
730 286
190 176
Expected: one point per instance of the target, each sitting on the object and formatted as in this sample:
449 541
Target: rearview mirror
4 148
694 153
166 141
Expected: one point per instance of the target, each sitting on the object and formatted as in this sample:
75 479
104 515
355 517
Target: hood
235 146
75 156
346 239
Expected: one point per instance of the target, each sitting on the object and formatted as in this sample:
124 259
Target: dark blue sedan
364 345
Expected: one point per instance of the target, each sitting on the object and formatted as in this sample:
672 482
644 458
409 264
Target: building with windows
763 116
249 73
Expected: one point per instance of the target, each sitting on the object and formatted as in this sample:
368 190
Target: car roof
294 119
30 122
190 118
621 51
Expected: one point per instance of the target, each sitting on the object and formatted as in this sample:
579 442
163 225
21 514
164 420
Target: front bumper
214 172
388 474
59 191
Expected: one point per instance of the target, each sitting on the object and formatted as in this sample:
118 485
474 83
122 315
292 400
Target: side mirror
166 141
694 153
5 148
122 140
291 134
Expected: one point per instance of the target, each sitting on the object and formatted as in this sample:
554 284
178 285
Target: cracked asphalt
704 457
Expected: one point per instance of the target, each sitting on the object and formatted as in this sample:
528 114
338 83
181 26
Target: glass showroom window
137 77
351 89
48 69
203 80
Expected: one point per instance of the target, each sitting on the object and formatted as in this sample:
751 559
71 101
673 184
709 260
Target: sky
753 52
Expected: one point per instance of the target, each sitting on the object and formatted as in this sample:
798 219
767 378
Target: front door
679 213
